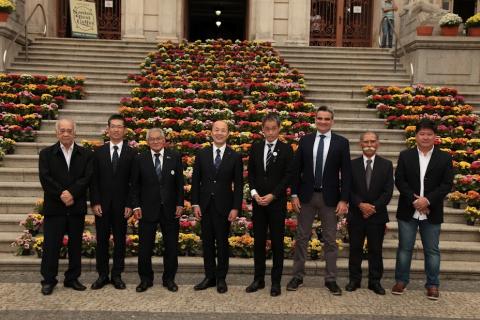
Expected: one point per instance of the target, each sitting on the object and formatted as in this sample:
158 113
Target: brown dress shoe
399 288
432 293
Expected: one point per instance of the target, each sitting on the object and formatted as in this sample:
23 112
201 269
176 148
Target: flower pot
4 16
424 30
473 32
450 31
470 222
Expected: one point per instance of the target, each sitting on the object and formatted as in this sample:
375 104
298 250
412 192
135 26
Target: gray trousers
308 212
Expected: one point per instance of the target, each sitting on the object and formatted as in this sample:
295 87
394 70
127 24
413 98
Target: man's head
369 143
156 139
116 128
425 134
65 129
271 126
220 133
324 119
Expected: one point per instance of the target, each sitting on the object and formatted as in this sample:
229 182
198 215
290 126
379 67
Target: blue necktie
319 163
218 159
158 166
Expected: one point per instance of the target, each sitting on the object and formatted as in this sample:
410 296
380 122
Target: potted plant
449 24
473 25
424 30
6 7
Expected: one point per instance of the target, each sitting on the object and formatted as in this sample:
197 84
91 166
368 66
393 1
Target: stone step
450 232
77 68
345 92
339 103
321 57
344 68
351 84
333 50
100 43
373 74
335 62
82 125
110 86
107 94
90 105
92 115
74 59
21 189
17 205
8 174
366 79
35 53
20 161
10 222
50 136
96 73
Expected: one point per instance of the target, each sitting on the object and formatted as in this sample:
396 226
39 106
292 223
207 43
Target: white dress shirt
160 157
222 151
119 145
365 161
326 145
67 153
253 192
424 160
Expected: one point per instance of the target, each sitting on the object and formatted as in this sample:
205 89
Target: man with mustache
372 188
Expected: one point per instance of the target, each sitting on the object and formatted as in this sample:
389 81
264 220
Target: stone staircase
334 76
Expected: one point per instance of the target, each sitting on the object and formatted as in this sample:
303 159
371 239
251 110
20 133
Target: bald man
65 170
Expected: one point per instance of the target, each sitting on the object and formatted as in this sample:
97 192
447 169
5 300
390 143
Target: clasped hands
67 198
265 200
421 204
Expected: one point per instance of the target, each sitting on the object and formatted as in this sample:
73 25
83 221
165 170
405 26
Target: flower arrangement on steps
27 99
185 87
458 132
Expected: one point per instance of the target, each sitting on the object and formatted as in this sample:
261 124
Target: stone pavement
21 299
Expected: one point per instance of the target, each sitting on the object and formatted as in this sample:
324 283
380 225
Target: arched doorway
209 19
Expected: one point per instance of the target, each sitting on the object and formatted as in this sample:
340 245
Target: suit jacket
149 193
207 182
337 173
112 190
277 178
55 177
438 183
379 193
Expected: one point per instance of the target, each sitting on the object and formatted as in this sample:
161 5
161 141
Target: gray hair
57 124
366 132
150 131
326 109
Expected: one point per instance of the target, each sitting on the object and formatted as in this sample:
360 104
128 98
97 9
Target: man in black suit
216 203
109 193
65 170
269 175
424 176
157 198
372 188
321 186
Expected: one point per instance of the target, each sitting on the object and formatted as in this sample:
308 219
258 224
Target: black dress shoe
170 285
352 286
221 286
255 286
333 288
205 284
377 288
118 283
47 288
75 285
276 290
294 284
100 283
143 286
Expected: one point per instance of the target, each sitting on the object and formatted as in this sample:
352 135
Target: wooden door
341 23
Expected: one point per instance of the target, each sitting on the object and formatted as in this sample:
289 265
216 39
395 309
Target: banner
83 17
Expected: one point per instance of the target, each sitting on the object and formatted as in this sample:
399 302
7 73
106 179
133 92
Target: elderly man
65 170
157 198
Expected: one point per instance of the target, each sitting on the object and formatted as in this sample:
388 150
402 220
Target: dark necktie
115 158
269 155
158 166
368 173
218 159
319 163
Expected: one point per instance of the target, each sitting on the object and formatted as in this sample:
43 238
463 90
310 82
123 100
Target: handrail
5 52
397 41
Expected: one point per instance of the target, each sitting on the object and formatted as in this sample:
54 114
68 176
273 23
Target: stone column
263 27
133 26
169 14
298 22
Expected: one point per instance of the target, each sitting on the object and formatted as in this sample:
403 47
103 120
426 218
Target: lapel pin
172 172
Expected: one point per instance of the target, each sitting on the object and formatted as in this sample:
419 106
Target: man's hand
138 213
197 212
127 212
421 203
342 208
178 212
67 198
232 215
265 200
258 199
97 210
367 209
296 204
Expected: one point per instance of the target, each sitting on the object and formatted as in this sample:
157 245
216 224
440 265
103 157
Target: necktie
115 158
368 173
269 154
158 166
218 159
319 163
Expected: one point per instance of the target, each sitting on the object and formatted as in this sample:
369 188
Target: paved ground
21 299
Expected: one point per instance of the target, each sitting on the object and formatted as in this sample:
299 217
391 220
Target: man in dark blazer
65 171
157 198
217 191
372 188
321 186
269 175
109 192
424 176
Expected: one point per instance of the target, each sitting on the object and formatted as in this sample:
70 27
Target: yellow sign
83 17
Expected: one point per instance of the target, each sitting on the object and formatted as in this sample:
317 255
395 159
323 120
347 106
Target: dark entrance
108 19
464 8
208 19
